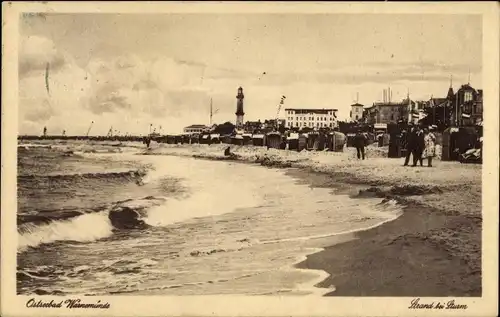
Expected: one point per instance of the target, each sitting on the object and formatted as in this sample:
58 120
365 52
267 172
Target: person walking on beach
146 141
410 144
430 146
359 143
419 146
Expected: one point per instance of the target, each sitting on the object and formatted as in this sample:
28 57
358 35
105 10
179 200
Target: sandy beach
435 246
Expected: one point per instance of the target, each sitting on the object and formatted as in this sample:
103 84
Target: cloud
34 54
107 100
429 67
375 72
40 113
126 91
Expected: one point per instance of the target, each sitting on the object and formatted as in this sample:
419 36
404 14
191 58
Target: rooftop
391 104
196 126
312 109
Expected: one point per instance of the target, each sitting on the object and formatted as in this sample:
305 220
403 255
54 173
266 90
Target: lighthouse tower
239 108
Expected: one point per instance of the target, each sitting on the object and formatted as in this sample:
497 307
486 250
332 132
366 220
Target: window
468 96
475 108
296 124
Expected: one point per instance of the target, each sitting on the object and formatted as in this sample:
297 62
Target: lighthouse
239 108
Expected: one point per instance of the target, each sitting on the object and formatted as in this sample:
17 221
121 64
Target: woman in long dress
430 146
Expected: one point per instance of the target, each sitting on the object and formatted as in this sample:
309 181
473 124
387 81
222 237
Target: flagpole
444 112
211 111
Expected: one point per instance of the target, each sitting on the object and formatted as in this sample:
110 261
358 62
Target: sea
102 219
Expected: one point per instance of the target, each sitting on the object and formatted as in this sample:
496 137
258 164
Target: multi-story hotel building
312 118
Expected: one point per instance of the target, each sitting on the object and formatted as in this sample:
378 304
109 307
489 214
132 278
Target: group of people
420 143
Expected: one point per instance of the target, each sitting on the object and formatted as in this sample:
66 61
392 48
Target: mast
282 101
433 114
211 112
410 110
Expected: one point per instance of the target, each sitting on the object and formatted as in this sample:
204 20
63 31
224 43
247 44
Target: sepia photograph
270 154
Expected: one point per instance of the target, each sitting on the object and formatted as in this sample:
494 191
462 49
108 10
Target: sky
134 71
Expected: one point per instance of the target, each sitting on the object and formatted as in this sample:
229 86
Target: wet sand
425 252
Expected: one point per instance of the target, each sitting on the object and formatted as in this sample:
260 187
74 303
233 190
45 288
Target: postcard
250 159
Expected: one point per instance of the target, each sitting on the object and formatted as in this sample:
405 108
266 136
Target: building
388 112
252 126
356 112
239 108
196 128
312 118
467 106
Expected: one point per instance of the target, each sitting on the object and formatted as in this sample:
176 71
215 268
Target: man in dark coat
419 146
411 144
359 143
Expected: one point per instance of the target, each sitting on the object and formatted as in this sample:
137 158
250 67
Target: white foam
214 189
88 227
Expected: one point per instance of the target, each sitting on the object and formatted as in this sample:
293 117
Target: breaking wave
88 226
107 176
